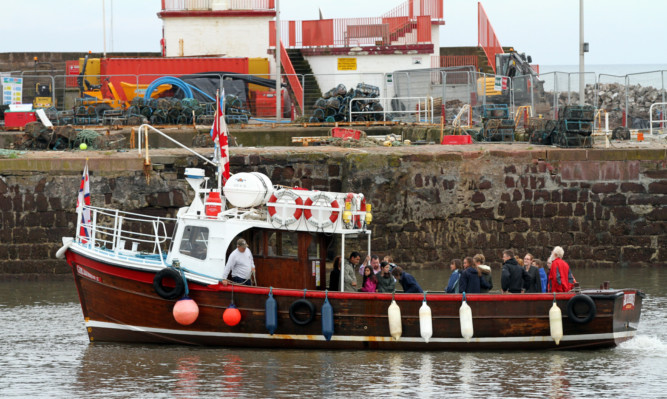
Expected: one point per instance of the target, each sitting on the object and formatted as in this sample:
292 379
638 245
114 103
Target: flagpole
217 144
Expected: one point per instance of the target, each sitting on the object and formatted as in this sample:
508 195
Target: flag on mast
220 136
83 206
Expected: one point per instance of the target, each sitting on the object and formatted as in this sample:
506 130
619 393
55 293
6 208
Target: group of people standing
472 275
376 276
527 275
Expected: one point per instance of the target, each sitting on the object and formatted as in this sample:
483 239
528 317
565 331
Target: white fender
67 241
425 322
465 317
556 323
394 315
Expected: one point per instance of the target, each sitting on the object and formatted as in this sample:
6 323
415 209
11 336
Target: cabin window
195 242
283 244
314 248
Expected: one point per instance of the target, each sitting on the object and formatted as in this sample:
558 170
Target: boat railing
111 230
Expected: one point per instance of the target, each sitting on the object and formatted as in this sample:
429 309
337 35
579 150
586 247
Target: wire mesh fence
421 95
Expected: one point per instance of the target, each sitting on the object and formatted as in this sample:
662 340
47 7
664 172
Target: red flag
83 205
220 136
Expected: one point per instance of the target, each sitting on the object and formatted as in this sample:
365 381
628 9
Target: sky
619 31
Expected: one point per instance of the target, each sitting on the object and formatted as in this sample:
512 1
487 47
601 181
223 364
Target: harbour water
44 352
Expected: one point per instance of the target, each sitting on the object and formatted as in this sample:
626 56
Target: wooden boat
130 273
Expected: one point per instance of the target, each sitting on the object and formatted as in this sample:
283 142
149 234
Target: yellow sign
347 64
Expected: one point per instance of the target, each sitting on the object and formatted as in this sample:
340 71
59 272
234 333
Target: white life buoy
321 200
394 316
283 200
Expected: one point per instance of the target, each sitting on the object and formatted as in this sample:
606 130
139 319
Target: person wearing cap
240 264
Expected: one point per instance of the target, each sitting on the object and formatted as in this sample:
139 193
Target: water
45 353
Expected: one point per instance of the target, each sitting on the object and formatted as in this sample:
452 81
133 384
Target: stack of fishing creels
575 126
498 126
540 131
334 105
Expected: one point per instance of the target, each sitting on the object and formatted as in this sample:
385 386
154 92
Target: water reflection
45 353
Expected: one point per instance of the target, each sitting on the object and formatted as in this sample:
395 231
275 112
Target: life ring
581 301
169 292
362 208
321 199
296 305
284 197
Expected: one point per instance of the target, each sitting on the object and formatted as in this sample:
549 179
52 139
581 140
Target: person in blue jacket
453 285
410 285
544 280
471 281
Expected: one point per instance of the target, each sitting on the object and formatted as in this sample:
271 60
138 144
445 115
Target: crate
456 139
496 111
18 119
565 140
584 128
578 113
344 134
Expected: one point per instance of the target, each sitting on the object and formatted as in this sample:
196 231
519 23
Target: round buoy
83 146
231 316
186 311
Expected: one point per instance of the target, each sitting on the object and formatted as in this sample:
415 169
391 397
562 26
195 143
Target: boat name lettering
87 274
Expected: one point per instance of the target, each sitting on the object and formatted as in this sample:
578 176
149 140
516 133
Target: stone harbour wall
607 208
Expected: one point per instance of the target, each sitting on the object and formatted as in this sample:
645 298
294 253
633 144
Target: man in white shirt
240 264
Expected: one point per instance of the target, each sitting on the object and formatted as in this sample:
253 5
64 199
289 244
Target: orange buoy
186 311
231 316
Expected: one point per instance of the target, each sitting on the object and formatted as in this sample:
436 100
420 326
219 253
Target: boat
144 279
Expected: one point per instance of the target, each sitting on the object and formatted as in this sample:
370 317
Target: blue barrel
327 320
271 313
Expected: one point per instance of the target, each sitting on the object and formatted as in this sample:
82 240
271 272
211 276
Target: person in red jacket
560 276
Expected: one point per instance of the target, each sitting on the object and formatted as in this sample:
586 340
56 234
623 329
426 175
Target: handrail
486 37
651 121
291 77
146 126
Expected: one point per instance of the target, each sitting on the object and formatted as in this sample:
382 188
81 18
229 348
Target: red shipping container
146 70
264 102
71 69
19 119
457 139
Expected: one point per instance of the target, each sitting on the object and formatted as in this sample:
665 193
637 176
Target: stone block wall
430 203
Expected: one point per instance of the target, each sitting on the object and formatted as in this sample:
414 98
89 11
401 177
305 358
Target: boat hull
120 305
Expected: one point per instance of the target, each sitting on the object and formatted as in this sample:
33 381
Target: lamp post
583 47
278 86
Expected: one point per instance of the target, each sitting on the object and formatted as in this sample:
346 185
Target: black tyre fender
169 292
302 303
581 302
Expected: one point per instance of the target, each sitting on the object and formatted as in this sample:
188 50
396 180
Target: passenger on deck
533 285
386 282
240 264
479 260
349 272
453 285
513 277
410 285
389 259
373 261
560 276
471 278
544 280
334 276
370 281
